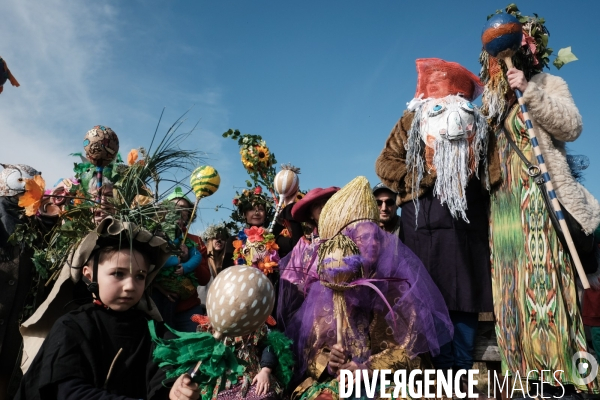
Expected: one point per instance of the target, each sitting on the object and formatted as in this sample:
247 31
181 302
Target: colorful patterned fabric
538 322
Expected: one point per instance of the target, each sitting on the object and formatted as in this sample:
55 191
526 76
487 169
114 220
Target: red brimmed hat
301 210
438 78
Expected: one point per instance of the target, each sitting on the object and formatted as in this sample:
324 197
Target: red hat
438 78
301 209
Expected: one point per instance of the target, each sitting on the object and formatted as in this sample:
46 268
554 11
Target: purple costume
298 272
396 306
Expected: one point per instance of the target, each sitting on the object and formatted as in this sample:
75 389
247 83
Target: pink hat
301 210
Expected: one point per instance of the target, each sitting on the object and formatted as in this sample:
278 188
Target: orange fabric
202 275
438 78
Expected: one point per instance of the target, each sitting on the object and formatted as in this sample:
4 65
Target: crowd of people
106 295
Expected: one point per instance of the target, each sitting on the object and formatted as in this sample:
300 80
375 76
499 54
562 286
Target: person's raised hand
516 79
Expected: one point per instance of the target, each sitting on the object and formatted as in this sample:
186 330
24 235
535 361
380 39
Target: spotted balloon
239 301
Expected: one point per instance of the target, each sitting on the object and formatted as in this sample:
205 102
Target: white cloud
54 48
69 58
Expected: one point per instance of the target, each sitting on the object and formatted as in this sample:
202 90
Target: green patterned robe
538 321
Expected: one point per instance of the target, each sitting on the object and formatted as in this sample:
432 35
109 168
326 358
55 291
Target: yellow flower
263 154
32 198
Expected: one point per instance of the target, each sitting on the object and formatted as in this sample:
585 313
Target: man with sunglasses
389 220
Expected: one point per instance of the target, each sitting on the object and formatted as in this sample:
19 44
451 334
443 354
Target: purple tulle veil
418 321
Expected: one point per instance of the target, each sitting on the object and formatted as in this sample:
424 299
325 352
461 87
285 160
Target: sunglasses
388 202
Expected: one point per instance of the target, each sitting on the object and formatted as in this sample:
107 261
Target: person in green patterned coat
538 321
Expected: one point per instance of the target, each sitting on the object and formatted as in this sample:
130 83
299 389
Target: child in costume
233 355
266 369
102 350
181 275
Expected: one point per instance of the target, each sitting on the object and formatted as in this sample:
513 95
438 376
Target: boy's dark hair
108 247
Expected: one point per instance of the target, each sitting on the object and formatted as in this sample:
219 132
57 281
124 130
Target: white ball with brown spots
239 301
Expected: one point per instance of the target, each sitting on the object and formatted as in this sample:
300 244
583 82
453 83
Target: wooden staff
548 182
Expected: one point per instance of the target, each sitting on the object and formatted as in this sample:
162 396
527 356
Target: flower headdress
248 199
531 58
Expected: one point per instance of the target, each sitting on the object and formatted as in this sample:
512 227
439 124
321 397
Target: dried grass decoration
354 202
339 265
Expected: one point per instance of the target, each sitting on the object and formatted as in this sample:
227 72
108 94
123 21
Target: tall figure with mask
436 159
538 320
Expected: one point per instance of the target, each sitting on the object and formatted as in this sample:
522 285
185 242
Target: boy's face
119 286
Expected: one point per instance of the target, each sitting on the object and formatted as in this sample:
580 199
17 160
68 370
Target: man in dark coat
440 161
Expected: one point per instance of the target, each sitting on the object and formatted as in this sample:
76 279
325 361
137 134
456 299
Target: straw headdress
354 202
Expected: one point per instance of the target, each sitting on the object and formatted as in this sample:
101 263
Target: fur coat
391 163
556 120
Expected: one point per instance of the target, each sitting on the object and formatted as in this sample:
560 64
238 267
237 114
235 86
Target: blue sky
322 81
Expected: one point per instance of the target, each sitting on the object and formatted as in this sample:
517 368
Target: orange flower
271 245
271 321
79 198
266 265
132 157
238 244
32 198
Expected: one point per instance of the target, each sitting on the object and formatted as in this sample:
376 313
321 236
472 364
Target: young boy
103 350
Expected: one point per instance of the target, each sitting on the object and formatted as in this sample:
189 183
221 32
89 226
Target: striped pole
99 174
277 211
549 187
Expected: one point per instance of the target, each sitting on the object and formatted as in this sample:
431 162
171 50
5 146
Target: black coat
456 253
16 274
80 348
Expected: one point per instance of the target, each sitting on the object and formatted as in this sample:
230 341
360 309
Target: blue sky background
322 81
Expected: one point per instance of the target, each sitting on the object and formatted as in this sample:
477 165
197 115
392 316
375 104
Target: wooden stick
190 223
549 187
340 325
